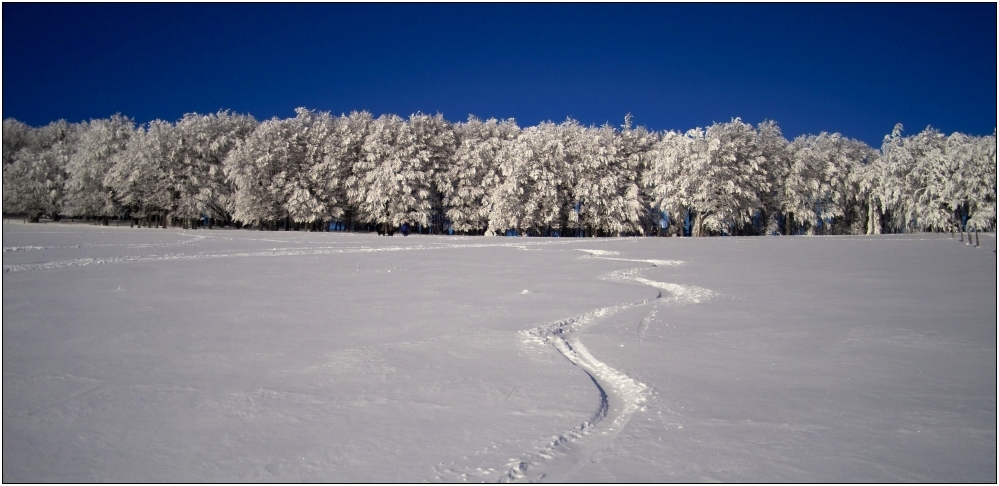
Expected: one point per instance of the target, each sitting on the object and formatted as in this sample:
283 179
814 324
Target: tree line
318 171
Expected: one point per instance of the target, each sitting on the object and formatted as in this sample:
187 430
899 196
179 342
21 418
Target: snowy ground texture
151 355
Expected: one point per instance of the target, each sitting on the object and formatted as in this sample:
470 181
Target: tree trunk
873 219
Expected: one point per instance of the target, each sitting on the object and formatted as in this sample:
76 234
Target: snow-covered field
163 355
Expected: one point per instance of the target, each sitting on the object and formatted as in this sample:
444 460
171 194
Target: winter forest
321 172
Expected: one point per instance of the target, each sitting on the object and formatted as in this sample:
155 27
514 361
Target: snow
155 355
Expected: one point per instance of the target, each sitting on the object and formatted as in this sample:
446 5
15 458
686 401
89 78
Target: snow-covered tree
868 182
204 142
847 194
493 176
883 183
474 171
666 178
310 192
346 163
325 165
929 181
605 180
139 176
818 193
394 180
34 170
99 141
16 135
636 151
434 143
945 183
535 194
716 175
935 186
258 167
732 180
980 177
784 185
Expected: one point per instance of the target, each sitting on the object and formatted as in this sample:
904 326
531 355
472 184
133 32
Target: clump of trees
494 177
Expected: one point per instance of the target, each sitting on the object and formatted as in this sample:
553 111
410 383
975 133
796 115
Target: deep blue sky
848 68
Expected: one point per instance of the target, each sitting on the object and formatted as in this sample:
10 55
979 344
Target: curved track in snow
620 395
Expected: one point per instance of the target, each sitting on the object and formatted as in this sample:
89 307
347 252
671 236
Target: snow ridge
620 395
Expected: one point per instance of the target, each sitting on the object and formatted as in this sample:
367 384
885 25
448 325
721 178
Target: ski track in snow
193 239
271 252
620 395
